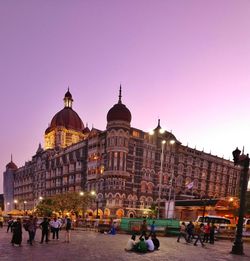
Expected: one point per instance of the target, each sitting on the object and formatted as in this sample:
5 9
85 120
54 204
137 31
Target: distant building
122 164
8 185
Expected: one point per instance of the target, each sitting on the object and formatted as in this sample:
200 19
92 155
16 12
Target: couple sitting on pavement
145 244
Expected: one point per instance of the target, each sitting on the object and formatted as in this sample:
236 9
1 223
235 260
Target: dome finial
11 157
159 122
120 95
68 99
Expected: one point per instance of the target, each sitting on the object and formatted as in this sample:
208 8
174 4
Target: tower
8 185
118 133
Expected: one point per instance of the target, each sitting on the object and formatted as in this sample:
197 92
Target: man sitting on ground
150 244
141 246
155 241
131 244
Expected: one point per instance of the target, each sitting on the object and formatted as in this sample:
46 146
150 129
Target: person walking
10 222
144 228
206 233
17 232
45 230
152 228
199 233
55 226
30 226
212 230
68 226
182 232
190 231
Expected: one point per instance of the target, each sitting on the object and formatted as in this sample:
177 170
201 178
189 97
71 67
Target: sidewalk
88 245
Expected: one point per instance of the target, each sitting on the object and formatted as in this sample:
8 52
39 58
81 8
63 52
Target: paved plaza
89 245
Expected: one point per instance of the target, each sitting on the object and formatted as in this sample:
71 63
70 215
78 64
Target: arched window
150 188
179 181
180 168
143 186
190 160
204 174
196 183
196 173
189 171
198 162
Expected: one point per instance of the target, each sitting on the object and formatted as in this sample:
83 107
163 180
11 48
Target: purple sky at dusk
184 61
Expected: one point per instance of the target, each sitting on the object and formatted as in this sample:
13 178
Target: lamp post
164 139
171 142
8 206
93 193
15 202
243 161
81 193
160 181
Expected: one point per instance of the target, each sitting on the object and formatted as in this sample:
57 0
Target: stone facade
123 165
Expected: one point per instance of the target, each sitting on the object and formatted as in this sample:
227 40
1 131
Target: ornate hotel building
127 167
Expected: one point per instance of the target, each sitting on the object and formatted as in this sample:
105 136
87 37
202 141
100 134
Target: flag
190 185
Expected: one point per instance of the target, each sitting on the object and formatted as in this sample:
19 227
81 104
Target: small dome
11 165
67 118
119 112
68 94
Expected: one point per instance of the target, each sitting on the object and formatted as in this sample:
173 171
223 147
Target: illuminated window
136 134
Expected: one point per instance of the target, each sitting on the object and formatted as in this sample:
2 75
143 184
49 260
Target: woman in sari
17 232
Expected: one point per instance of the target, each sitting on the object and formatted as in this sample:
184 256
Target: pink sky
187 62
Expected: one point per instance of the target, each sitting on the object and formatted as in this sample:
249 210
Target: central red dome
67 118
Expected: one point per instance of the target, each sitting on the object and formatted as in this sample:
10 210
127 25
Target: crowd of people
203 233
148 242
48 226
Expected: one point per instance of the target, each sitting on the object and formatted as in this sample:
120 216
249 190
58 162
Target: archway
120 213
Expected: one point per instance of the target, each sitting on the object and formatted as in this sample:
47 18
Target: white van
221 223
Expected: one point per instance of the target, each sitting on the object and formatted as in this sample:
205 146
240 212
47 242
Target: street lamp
93 193
8 206
81 193
24 204
40 198
15 202
161 174
243 161
171 142
163 142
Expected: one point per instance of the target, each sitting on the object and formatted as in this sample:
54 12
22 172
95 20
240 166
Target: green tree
154 210
68 202
45 207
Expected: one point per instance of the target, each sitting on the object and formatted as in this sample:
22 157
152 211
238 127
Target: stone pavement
89 245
